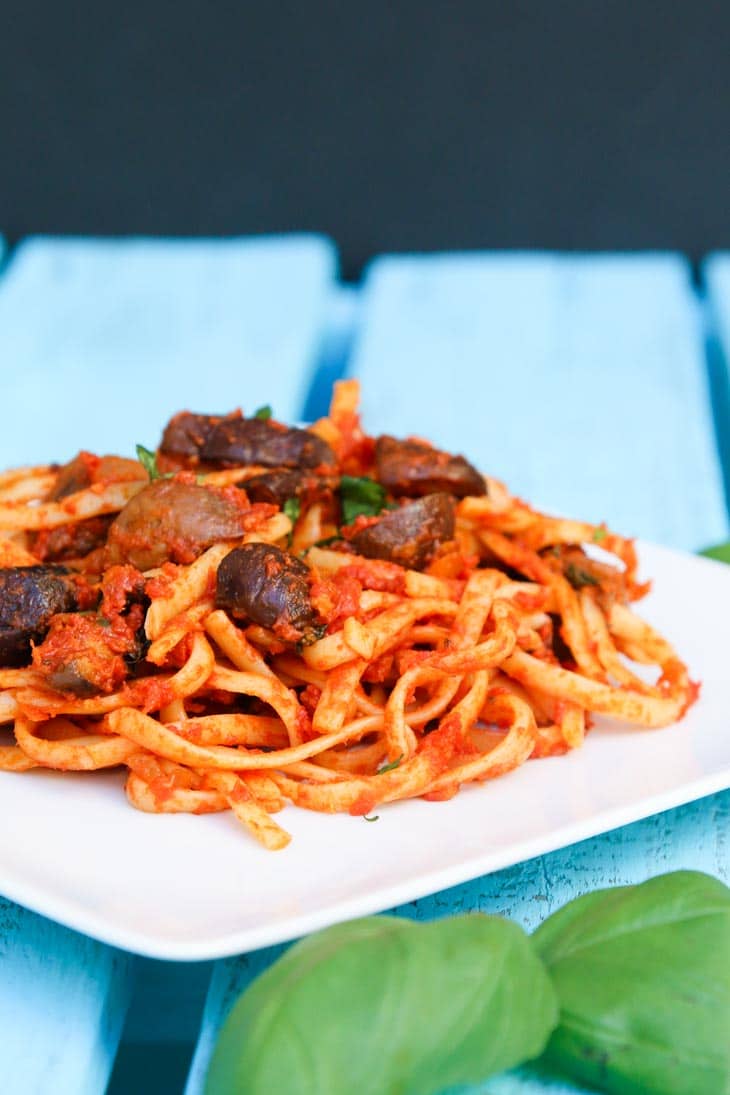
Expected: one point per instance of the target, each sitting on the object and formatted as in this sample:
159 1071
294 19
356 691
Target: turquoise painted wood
579 381
582 383
63 1000
717 280
143 328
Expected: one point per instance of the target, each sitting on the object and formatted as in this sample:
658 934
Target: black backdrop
410 125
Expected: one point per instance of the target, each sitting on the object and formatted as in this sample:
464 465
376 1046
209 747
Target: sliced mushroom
186 433
270 587
410 535
29 598
169 520
258 441
414 468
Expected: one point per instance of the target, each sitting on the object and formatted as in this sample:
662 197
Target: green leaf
721 552
148 460
375 817
360 496
386 1006
642 975
599 535
292 508
389 767
264 413
578 577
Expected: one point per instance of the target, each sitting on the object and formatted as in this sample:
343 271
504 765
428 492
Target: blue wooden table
594 385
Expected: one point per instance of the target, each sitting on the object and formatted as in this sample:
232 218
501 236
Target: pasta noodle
264 615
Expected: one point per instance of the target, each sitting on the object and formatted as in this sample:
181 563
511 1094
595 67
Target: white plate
186 887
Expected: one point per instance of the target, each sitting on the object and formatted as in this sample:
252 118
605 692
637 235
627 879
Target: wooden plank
716 272
63 999
121 333
579 381
692 836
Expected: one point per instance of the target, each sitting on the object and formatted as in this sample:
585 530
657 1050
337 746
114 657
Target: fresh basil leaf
721 552
292 508
599 535
386 1006
642 975
148 460
578 577
390 767
263 413
315 632
360 497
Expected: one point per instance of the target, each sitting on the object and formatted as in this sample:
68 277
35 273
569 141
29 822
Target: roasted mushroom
410 535
29 597
170 520
413 468
270 587
258 441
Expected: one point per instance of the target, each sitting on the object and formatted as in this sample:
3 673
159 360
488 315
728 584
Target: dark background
404 126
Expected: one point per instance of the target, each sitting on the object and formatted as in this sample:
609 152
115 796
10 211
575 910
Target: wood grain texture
579 381
63 1000
101 340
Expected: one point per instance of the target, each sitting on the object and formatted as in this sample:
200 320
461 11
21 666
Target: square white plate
185 887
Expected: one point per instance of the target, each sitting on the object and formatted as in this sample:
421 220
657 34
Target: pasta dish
254 615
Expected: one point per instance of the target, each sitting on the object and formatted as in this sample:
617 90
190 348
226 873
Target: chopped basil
360 497
263 413
578 577
314 633
389 767
599 535
375 817
148 460
292 508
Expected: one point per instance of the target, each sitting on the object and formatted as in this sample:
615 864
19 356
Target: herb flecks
263 413
360 497
392 766
599 535
578 577
374 817
148 460
291 509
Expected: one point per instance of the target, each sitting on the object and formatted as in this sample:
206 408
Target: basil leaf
578 577
264 413
360 496
292 508
148 460
642 975
720 552
390 767
599 535
367 817
383 1006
